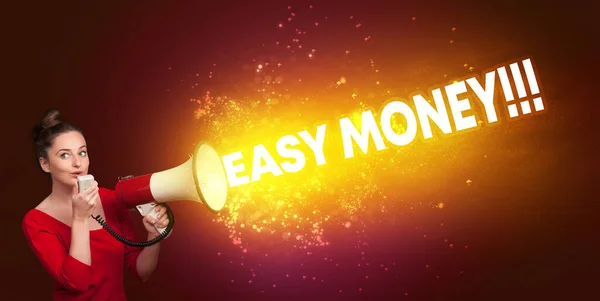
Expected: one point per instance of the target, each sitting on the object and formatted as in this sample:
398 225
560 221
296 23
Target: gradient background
529 219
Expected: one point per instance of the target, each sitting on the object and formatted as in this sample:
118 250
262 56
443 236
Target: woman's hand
84 203
161 221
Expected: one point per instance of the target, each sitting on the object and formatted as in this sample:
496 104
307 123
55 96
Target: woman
86 262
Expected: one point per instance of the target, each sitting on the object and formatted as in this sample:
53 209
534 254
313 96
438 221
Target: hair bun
50 119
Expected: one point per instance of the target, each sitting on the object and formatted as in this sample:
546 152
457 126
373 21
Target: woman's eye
83 153
64 155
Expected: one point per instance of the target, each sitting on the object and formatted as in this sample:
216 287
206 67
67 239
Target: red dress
50 240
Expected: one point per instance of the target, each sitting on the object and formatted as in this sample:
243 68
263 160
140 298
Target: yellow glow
293 169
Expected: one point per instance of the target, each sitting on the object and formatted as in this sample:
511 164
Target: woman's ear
44 165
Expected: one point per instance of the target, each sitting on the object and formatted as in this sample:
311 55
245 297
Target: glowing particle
414 18
348 224
441 205
469 182
453 29
280 25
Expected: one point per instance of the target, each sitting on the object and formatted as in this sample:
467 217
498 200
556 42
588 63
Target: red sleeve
131 253
127 231
71 273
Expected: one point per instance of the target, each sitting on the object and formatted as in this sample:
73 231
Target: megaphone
201 179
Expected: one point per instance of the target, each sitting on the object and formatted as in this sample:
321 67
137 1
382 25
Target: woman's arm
148 259
83 204
80 241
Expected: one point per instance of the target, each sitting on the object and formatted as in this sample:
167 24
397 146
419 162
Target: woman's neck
61 193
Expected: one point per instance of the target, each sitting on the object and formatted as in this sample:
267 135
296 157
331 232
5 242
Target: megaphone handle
148 209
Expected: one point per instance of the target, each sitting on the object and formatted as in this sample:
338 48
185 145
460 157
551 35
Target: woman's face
67 158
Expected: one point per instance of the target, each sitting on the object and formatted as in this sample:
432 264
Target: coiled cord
137 244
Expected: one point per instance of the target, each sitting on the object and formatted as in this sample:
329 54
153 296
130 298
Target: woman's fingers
161 211
93 199
149 219
163 221
93 188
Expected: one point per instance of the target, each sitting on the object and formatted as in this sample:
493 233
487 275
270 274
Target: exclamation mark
520 87
538 104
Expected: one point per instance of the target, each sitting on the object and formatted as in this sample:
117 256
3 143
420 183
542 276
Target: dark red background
103 65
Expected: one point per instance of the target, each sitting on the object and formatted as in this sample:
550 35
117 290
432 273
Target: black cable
160 237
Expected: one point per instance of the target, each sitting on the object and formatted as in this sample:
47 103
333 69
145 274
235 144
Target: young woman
86 262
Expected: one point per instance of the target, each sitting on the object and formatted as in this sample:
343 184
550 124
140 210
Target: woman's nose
76 161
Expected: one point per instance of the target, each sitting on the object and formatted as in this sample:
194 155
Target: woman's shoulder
35 220
111 201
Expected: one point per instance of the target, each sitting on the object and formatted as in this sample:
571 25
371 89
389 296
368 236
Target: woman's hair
46 130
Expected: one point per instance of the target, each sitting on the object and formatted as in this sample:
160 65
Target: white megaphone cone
201 179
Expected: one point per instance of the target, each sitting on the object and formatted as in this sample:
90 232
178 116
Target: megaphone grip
149 209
